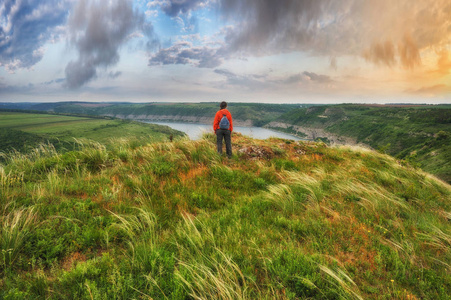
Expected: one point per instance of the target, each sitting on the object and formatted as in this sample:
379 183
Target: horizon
243 51
229 102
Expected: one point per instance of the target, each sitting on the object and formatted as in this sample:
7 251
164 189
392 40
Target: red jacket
218 118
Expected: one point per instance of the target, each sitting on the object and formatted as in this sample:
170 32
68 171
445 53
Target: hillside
280 220
24 131
247 114
418 134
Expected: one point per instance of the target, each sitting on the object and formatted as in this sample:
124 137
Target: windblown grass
280 220
15 225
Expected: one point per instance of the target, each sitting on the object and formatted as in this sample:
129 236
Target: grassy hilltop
280 220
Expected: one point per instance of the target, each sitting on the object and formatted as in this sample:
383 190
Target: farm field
25 130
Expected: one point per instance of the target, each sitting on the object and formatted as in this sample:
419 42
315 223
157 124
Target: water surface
195 131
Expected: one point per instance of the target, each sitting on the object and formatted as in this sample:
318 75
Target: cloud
97 29
381 53
13 89
409 53
434 90
293 79
250 82
382 32
386 53
25 26
152 42
306 77
114 75
185 53
58 80
263 81
317 78
443 63
333 63
225 73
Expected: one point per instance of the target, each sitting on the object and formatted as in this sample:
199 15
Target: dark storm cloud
25 26
185 53
384 32
97 29
268 25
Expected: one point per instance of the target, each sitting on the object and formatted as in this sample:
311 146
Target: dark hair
223 105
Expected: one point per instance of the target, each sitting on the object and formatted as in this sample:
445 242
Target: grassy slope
23 131
405 132
280 220
410 133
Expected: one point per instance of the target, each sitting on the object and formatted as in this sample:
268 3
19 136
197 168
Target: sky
268 51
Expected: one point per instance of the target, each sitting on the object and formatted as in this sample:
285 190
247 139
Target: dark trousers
226 135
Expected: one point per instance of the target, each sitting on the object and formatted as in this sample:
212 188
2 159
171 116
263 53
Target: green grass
280 220
420 134
406 132
23 131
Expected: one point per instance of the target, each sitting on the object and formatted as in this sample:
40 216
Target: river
195 131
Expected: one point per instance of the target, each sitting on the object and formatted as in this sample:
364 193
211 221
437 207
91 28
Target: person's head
223 105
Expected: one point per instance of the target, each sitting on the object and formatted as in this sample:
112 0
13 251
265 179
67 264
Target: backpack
224 124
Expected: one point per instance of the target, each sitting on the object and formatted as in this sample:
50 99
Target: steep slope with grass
280 220
420 134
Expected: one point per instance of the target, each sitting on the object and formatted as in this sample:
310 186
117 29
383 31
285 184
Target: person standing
223 127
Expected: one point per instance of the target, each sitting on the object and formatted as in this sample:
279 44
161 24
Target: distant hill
174 220
250 114
420 134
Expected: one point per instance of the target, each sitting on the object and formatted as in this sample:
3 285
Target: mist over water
195 131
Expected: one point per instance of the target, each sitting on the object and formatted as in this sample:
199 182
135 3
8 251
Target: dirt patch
69 261
257 152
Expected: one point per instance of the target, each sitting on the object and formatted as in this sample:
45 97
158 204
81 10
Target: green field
23 131
279 220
